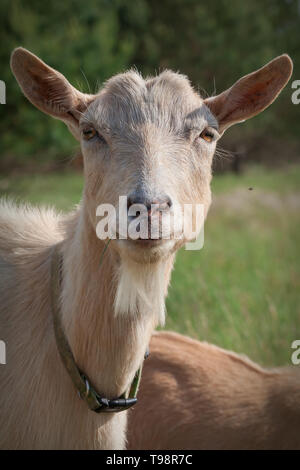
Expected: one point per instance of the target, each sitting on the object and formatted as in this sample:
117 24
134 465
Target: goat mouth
145 242
148 241
149 245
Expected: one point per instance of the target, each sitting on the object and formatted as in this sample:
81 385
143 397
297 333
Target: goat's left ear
251 94
48 89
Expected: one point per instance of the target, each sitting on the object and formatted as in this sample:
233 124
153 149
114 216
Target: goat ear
251 94
48 89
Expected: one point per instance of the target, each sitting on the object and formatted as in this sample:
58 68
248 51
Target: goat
195 395
153 141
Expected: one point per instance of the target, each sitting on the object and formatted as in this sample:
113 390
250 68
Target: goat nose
162 202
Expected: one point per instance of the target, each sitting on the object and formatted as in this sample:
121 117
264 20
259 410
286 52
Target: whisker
224 154
84 75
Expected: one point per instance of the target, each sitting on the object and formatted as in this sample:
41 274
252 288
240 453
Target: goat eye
89 133
207 135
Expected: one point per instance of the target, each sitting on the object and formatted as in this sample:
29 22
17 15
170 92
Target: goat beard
140 290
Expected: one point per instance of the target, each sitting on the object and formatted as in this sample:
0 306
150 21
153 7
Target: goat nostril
169 202
163 203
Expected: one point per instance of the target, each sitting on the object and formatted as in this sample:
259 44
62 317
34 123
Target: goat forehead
165 100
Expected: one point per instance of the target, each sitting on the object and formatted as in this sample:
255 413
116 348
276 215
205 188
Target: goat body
195 395
151 141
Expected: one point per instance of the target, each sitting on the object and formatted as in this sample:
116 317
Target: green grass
241 291
61 190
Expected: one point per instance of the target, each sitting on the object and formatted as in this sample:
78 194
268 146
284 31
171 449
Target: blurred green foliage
214 43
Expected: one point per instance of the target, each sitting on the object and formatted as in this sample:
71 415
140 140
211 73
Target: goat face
149 141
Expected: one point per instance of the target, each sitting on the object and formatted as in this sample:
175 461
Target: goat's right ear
251 94
48 89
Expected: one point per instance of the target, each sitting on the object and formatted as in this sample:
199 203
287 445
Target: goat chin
139 252
140 289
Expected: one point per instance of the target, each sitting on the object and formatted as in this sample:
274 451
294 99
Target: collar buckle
100 404
115 405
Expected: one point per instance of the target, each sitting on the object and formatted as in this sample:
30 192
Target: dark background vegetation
213 42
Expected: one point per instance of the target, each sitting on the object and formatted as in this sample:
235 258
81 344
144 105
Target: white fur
140 290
